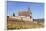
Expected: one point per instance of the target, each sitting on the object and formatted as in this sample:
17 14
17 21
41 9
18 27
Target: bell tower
29 10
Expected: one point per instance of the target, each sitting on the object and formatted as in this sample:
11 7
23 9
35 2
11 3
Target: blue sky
36 8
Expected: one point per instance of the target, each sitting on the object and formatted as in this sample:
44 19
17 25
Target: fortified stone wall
22 17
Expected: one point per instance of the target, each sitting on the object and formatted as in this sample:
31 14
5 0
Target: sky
16 6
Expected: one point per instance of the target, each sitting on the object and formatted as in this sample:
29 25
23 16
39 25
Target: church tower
29 10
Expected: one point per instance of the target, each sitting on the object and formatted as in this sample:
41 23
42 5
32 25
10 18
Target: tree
13 14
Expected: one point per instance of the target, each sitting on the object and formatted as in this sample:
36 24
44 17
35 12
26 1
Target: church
24 15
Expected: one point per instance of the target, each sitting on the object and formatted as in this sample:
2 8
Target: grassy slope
23 25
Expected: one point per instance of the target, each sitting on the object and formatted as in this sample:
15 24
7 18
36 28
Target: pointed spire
29 10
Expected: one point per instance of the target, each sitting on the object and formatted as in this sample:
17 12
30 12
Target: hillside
20 24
